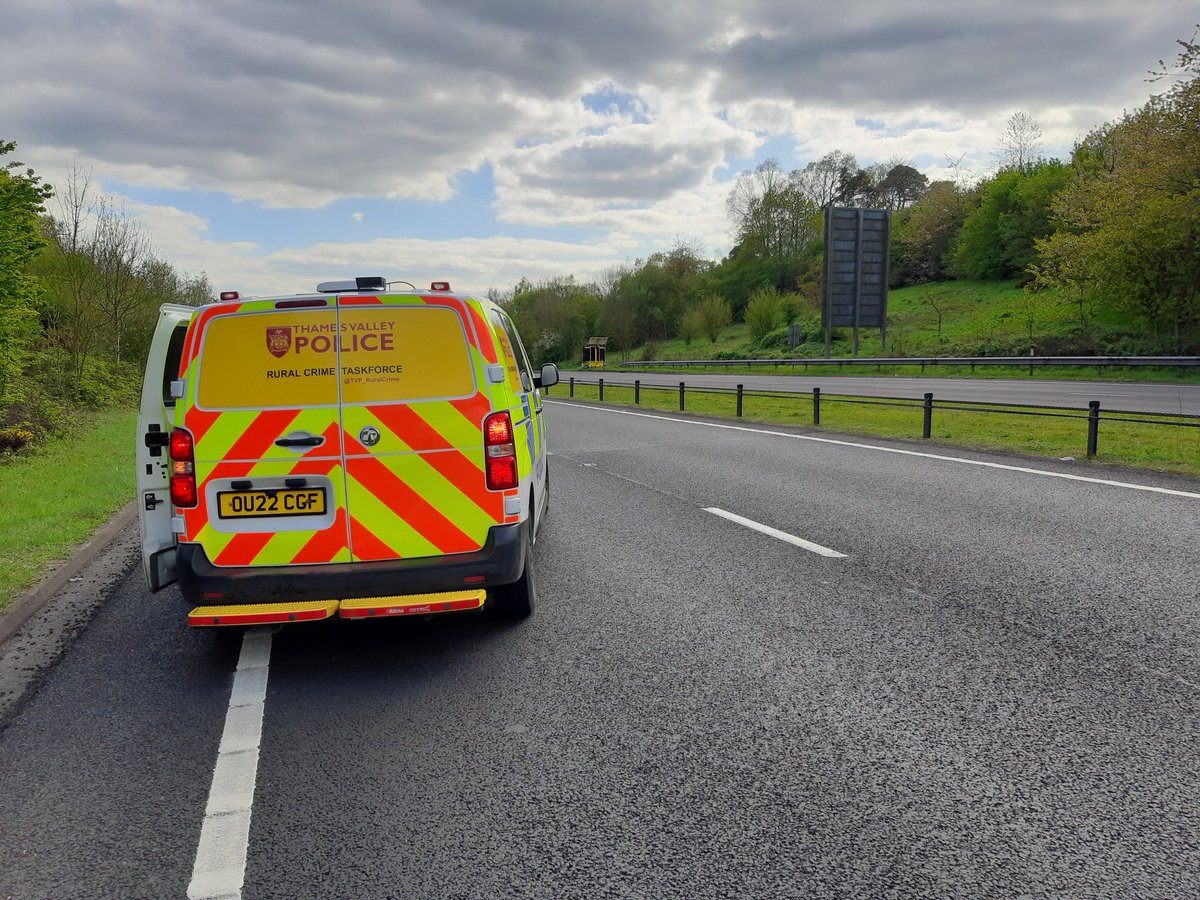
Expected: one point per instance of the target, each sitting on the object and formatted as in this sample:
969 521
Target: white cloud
299 104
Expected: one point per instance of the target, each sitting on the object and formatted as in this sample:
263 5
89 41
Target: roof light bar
361 283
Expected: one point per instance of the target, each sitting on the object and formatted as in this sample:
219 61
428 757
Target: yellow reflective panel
404 353
263 360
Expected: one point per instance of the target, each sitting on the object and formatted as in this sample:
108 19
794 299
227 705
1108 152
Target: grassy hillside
978 318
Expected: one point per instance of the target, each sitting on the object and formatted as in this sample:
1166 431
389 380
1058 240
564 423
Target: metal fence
1091 415
1032 362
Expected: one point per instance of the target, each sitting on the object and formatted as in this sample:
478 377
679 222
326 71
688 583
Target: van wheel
517 600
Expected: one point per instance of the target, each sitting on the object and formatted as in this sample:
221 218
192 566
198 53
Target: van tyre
517 600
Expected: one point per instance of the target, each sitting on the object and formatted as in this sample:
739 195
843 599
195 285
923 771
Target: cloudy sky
274 143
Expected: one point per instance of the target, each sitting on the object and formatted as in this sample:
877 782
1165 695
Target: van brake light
183 469
501 453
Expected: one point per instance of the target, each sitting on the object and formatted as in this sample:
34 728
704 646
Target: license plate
259 504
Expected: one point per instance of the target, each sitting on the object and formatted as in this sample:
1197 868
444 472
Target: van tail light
183 469
501 453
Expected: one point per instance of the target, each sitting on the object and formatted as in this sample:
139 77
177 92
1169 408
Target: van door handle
315 440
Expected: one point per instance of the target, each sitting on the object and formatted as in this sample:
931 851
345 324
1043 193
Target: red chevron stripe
474 409
484 334
455 466
243 548
327 544
405 503
368 545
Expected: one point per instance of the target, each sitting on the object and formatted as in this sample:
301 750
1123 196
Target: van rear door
262 409
412 413
156 416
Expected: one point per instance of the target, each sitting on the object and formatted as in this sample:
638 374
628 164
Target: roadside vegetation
80 287
52 498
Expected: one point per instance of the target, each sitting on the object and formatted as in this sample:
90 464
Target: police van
357 451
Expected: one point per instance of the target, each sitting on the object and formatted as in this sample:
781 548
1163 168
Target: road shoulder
40 624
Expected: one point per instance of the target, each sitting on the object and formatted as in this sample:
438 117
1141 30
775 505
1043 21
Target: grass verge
1128 374
1151 444
52 500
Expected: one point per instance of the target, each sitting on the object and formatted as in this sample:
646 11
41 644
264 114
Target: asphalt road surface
990 690
1178 399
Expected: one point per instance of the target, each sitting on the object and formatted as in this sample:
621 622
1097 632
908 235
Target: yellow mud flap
262 613
412 604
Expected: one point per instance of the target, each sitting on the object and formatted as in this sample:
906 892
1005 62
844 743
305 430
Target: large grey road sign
857 245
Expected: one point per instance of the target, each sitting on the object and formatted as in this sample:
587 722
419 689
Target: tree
819 180
122 249
902 186
998 237
22 200
555 317
73 316
771 213
1129 216
923 233
1020 146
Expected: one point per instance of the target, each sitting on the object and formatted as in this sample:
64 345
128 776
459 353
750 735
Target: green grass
1163 448
53 499
978 318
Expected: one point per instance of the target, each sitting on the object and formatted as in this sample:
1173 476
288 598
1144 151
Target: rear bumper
501 560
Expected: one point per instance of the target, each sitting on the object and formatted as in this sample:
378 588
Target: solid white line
958 459
220 867
776 533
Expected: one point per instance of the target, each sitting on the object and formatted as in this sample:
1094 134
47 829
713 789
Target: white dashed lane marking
220 867
776 533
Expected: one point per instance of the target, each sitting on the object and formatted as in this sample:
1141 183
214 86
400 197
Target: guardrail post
739 409
681 396
816 406
572 383
601 390
1093 427
637 392
928 429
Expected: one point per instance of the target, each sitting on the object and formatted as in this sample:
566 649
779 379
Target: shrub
763 312
14 439
716 313
691 325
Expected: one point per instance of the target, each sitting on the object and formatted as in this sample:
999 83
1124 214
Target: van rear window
300 357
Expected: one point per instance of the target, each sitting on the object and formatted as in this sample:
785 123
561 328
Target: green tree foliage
998 237
763 313
923 234
555 317
1129 217
647 299
779 230
772 214
79 295
22 200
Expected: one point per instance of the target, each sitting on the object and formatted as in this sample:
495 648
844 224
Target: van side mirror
546 377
